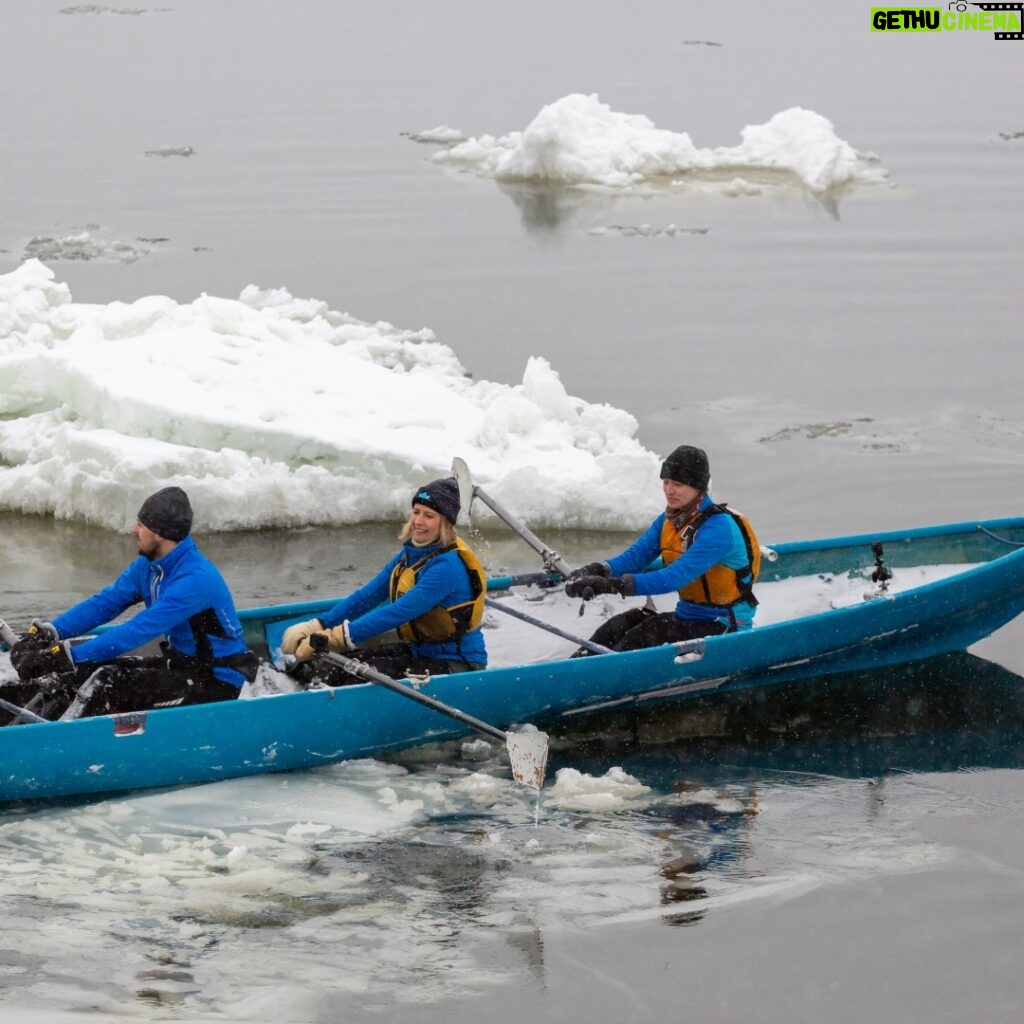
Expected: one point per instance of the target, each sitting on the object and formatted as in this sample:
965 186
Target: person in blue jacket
710 556
431 592
204 656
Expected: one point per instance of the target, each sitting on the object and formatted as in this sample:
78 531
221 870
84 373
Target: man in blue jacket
204 656
710 556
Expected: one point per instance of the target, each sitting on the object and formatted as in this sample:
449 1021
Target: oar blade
528 755
465 481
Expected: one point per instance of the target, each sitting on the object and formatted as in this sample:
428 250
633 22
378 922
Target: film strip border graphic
1018 7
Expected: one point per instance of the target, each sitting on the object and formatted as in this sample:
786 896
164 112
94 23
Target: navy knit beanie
689 466
167 513
442 496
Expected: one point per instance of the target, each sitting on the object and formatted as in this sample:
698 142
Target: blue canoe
981 588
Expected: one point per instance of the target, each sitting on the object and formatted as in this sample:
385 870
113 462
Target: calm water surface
852 363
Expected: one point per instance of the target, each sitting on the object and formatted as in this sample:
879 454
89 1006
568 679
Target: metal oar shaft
527 751
550 556
468 490
368 672
20 712
588 644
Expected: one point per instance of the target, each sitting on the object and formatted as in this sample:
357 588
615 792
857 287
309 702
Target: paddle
579 641
468 491
552 559
527 751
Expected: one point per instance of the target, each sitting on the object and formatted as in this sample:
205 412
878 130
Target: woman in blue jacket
431 592
204 656
710 557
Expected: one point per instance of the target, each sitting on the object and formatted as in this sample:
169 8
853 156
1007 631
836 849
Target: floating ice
580 141
276 411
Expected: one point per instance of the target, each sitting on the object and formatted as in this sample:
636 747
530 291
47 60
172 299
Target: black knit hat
689 466
442 496
167 513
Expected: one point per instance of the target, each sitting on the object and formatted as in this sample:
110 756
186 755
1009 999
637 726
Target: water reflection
548 209
710 763
945 714
948 714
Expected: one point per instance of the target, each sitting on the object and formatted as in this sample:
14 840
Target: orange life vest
719 586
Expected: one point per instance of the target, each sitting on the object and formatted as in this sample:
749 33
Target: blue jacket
718 541
174 588
442 581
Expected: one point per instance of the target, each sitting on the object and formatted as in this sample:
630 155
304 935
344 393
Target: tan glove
294 635
338 640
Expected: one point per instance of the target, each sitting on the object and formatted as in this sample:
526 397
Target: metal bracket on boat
689 650
881 575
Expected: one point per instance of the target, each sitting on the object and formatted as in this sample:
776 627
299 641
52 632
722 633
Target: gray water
851 362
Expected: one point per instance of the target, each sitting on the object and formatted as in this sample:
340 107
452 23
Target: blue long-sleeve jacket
718 541
174 588
443 580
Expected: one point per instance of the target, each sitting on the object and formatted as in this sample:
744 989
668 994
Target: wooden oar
527 751
578 640
468 491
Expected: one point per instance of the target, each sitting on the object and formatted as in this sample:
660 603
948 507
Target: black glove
590 586
38 637
43 662
590 569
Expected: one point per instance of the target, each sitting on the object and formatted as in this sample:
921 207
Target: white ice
579 141
274 411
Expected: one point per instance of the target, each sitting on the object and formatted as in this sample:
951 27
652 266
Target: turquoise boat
887 598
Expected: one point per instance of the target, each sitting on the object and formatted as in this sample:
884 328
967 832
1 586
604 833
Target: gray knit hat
167 513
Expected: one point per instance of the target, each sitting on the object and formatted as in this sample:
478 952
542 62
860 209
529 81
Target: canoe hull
284 732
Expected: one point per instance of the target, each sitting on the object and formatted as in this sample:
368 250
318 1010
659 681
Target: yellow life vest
720 585
442 623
